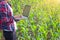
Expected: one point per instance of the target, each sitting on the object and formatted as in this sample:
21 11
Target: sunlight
58 1
53 1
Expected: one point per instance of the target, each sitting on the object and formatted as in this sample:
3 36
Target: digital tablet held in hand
25 13
26 10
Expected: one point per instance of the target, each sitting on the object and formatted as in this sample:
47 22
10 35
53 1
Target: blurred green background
43 22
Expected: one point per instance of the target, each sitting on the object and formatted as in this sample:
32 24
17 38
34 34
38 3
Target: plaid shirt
6 17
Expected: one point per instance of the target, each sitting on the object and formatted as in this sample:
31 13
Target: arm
15 19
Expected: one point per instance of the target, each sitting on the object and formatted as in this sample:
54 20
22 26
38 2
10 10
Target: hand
17 17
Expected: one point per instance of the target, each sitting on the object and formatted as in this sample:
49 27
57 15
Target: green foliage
44 19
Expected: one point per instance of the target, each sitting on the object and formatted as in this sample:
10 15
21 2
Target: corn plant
43 22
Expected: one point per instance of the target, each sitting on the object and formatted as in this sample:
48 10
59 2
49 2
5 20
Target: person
7 20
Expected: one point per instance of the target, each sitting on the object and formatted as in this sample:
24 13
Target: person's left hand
17 17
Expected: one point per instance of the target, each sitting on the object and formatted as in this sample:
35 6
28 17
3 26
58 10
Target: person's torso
9 25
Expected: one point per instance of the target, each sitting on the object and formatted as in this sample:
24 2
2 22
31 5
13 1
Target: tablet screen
26 10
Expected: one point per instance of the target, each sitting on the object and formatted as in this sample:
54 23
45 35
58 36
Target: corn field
43 22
